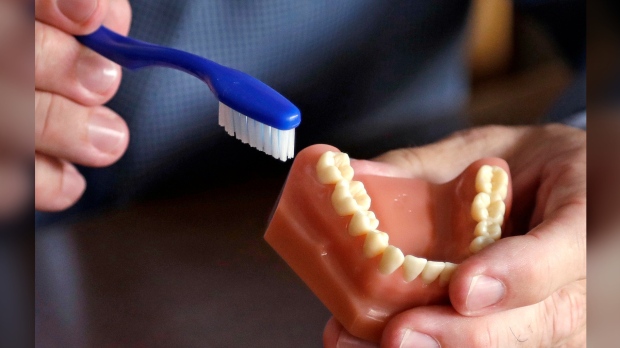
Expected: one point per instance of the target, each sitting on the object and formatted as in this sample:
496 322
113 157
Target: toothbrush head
255 113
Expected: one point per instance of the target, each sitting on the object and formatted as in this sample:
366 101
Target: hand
527 290
71 85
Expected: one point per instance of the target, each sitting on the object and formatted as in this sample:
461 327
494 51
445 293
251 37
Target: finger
444 160
559 319
57 184
118 18
76 17
63 66
523 270
90 136
335 335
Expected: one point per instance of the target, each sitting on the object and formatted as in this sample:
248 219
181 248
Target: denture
371 246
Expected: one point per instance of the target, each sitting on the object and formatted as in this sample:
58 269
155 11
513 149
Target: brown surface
191 272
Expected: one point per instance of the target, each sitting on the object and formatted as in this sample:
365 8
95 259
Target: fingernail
483 292
106 132
77 10
414 339
346 340
73 184
96 73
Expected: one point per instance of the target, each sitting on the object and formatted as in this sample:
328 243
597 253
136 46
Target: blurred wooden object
519 98
516 72
490 37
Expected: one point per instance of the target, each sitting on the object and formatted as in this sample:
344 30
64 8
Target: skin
71 85
542 267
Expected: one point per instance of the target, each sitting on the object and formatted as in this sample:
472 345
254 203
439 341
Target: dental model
366 265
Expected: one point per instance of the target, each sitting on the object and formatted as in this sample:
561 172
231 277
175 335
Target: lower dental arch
350 198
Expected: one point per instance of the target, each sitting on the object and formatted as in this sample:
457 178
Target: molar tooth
480 243
488 228
446 274
483 179
362 222
412 267
375 244
496 196
479 206
359 193
333 167
390 261
431 271
496 211
349 197
500 181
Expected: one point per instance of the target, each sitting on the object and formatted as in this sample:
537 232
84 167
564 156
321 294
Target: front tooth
446 274
333 167
412 267
349 197
480 243
362 222
375 244
500 181
479 206
496 211
431 271
488 228
483 179
390 261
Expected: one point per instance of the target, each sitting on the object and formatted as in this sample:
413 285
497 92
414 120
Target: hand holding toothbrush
71 85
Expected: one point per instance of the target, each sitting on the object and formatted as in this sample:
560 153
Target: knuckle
46 108
565 314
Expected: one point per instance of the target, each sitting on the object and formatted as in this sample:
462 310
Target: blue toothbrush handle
135 54
237 90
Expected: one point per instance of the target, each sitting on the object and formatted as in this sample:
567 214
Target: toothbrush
248 109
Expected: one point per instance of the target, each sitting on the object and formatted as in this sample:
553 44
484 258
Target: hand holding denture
431 234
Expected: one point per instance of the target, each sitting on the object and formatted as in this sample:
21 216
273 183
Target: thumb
76 17
523 270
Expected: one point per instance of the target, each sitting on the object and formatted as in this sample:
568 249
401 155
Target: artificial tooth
412 267
333 167
349 197
363 222
479 206
390 261
496 196
359 193
480 243
500 181
375 244
496 211
483 179
446 274
431 271
488 228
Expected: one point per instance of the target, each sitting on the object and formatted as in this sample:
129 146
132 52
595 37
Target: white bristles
275 142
